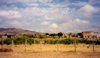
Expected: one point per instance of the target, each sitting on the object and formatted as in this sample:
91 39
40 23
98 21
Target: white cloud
87 10
57 14
0 19
32 4
40 30
17 24
79 3
45 23
80 21
53 26
76 25
45 1
35 11
46 13
16 1
61 18
94 1
65 3
10 14
51 19
26 1
36 3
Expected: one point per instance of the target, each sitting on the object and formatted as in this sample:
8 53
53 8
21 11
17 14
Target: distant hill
17 31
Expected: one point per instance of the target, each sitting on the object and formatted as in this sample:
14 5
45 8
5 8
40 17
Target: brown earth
51 51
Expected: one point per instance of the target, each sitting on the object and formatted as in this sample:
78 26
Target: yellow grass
51 51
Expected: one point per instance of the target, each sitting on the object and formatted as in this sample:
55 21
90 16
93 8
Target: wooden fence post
2 43
57 46
25 44
12 43
75 45
93 46
34 40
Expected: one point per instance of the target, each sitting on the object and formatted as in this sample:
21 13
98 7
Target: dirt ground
49 55
51 51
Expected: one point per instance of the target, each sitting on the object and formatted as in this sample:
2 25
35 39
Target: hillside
17 31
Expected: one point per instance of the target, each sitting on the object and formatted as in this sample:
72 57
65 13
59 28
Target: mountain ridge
17 31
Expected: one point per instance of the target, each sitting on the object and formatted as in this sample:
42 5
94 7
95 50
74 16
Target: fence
50 45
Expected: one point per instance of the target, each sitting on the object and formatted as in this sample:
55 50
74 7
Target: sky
51 15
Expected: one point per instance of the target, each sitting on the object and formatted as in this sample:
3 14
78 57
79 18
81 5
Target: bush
30 41
43 36
46 42
8 41
53 42
6 50
71 41
97 42
65 41
19 41
37 42
0 41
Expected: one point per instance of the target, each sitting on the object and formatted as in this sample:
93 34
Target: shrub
53 42
43 36
6 50
37 42
71 41
97 42
0 41
30 41
8 41
46 42
19 41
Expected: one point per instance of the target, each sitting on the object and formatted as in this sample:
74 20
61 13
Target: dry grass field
51 51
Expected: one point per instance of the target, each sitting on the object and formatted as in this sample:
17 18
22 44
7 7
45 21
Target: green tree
60 34
46 33
43 36
53 35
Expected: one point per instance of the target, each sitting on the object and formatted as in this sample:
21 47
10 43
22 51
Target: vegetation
60 34
53 35
71 41
0 42
42 36
27 40
8 41
20 40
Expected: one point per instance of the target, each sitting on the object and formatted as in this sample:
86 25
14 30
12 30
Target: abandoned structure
69 35
7 35
90 35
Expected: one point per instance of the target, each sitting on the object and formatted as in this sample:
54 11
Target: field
51 51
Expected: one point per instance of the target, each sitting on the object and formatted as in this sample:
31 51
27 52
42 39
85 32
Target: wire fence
44 46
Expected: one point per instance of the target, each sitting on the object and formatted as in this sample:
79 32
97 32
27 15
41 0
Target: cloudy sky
51 15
